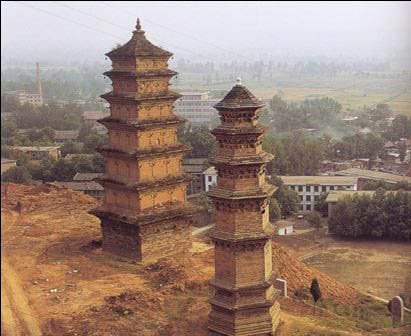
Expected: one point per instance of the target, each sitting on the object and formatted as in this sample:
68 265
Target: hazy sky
207 30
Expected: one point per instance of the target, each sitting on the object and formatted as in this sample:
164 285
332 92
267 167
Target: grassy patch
368 315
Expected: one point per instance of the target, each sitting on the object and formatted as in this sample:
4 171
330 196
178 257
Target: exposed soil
73 288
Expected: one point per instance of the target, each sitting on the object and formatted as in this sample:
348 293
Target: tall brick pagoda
145 215
244 300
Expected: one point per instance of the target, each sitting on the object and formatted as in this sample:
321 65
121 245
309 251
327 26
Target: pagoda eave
159 151
258 130
147 217
115 123
224 237
241 161
152 185
243 287
138 98
116 74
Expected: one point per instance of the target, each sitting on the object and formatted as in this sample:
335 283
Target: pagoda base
261 321
146 243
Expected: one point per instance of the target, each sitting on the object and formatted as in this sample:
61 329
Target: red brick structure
145 215
244 300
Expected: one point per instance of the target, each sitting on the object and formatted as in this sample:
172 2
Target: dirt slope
73 288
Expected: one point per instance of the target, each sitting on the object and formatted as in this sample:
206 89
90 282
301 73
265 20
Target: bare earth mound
73 288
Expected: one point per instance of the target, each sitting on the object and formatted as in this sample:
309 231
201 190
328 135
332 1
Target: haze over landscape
197 168
204 31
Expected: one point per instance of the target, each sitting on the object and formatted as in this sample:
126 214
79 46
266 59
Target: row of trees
311 113
50 169
383 215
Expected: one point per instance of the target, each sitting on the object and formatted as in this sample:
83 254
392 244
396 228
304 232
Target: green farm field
351 91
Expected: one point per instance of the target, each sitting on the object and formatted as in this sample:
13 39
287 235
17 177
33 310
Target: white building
23 97
196 107
210 178
284 228
309 188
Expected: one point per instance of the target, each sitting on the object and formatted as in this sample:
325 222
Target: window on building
301 198
308 188
315 188
316 197
331 187
210 179
300 188
323 188
308 207
308 198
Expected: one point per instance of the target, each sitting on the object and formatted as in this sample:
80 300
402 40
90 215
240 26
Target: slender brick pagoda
244 300
145 215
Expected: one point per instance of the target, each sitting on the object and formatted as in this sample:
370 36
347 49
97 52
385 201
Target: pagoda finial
138 25
238 82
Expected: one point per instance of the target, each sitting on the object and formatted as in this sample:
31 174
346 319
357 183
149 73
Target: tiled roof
373 175
86 176
81 186
335 196
319 180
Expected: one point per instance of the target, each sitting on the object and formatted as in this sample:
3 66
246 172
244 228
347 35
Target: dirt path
17 318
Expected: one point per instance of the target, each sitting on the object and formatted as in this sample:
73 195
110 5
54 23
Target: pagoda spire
138 25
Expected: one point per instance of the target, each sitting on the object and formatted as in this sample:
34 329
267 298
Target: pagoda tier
145 187
244 300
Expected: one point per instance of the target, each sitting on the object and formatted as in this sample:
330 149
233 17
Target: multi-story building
23 97
145 205
197 108
309 188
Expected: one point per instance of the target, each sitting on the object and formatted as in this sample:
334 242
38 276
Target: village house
90 117
39 152
90 188
66 135
85 177
309 188
6 164
210 178
195 167
284 227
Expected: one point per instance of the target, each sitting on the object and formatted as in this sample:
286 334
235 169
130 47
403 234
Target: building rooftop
5 160
319 180
86 176
335 196
239 97
35 148
83 156
81 186
66 135
373 175
210 171
94 115
281 224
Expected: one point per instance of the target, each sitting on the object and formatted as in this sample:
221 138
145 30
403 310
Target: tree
315 291
314 219
8 129
274 208
288 200
321 205
201 140
17 175
402 150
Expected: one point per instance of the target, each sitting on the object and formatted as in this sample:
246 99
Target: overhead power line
183 34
